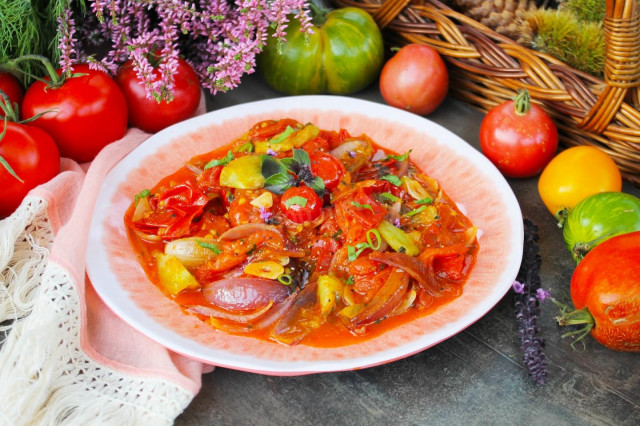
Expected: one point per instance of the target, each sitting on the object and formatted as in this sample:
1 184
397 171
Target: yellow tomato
576 173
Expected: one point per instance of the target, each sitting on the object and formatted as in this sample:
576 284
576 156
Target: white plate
465 174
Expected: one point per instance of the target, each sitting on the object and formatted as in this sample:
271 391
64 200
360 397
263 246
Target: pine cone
499 15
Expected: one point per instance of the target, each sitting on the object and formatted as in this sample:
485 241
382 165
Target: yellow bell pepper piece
173 276
243 173
328 289
399 240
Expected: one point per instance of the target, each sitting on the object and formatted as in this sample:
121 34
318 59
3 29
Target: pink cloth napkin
120 352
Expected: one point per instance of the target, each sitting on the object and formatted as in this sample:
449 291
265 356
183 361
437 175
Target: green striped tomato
343 55
598 218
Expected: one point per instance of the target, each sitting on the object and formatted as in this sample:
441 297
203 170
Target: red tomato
32 155
519 141
415 79
300 204
327 168
86 112
605 288
12 88
150 115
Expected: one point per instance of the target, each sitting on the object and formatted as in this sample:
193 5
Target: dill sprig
527 298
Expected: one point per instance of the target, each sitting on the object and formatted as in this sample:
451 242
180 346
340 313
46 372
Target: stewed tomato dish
300 235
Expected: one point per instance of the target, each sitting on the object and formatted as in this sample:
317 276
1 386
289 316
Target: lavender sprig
528 294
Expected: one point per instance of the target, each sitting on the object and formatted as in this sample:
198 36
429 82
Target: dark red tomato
85 113
300 204
32 155
12 88
605 288
518 137
327 168
415 79
150 115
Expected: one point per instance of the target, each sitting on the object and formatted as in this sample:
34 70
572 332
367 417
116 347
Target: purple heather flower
271 152
264 214
396 222
518 287
352 154
67 29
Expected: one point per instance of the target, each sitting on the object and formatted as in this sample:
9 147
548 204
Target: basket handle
622 63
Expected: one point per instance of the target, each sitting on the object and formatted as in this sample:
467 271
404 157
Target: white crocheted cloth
45 376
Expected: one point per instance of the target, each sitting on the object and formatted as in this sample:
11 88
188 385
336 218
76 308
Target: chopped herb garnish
220 162
279 138
252 249
425 200
247 147
354 251
390 197
337 234
362 206
141 194
395 180
398 157
209 246
416 211
349 280
295 201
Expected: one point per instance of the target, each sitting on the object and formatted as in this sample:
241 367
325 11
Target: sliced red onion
403 168
243 231
239 294
422 273
243 317
290 330
386 299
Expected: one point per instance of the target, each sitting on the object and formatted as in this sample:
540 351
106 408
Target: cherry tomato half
300 204
150 115
518 137
327 168
575 174
85 113
415 79
32 155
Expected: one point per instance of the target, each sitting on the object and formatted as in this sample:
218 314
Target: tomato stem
55 79
570 316
522 102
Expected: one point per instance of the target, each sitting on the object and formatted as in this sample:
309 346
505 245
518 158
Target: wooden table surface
474 377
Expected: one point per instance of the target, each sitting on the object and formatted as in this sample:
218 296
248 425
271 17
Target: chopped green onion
220 162
362 206
395 180
285 279
247 147
209 246
141 194
390 197
398 157
376 234
416 211
349 280
279 138
297 200
426 200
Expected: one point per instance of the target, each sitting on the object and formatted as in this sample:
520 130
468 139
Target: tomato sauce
301 235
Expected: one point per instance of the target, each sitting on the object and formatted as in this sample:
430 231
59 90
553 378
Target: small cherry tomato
32 155
300 204
415 79
83 115
327 168
150 115
518 137
12 88
575 174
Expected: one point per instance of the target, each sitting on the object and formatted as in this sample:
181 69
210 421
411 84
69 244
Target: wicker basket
487 68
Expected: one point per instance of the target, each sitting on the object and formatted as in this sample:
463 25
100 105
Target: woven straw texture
487 69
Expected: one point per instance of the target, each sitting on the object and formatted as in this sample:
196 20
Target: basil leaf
141 194
296 200
317 184
279 183
280 137
291 164
395 180
398 157
301 156
271 166
209 246
220 162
